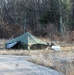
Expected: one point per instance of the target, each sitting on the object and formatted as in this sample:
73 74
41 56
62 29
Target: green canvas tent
26 41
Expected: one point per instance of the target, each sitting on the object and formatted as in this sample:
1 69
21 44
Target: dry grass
64 66
61 61
41 58
64 62
67 48
14 52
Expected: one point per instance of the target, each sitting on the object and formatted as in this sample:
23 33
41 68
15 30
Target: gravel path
18 65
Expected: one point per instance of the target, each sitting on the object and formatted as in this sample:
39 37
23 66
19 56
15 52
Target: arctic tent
26 41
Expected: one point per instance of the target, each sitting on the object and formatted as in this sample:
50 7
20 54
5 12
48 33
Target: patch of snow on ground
17 65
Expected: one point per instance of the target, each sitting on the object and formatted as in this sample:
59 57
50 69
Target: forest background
53 19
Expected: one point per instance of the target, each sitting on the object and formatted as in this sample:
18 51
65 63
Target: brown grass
61 61
67 48
14 52
41 58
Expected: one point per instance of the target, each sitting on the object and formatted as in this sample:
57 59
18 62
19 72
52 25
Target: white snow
18 65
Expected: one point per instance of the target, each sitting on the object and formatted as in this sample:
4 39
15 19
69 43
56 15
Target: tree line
41 17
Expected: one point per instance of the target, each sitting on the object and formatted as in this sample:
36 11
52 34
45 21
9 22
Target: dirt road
18 65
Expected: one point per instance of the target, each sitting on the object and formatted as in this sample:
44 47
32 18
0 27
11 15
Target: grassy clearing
61 61
14 52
